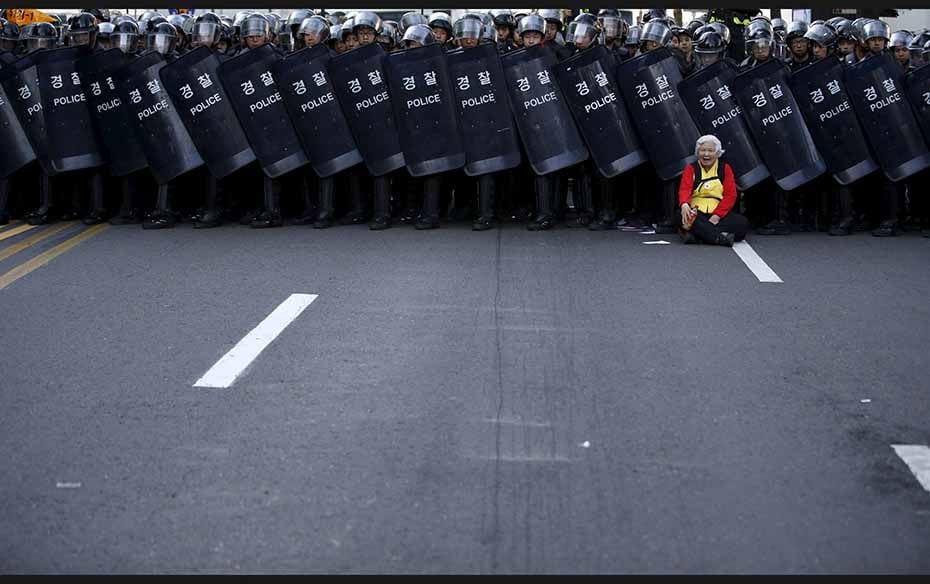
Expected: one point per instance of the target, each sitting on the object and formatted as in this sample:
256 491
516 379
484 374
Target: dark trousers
707 232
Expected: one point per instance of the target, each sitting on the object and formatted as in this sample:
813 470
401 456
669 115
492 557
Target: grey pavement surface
453 401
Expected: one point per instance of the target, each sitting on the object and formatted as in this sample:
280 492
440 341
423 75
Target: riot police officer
916 48
504 23
709 49
294 20
554 26
798 46
900 47
759 46
441 23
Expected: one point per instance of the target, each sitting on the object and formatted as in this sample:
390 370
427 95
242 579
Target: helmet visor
611 26
78 38
161 43
40 43
123 41
204 33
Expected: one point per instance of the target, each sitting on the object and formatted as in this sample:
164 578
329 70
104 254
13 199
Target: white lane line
752 260
917 458
233 363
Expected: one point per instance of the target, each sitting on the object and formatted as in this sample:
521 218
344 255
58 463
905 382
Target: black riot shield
16 152
550 137
917 83
776 123
832 120
21 83
876 90
424 111
254 94
593 96
649 84
714 110
203 105
488 131
358 82
164 139
311 102
72 143
115 133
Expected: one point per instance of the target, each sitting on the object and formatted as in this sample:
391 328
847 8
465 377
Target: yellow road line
16 231
11 224
38 237
47 256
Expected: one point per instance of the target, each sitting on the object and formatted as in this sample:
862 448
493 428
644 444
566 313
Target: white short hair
713 140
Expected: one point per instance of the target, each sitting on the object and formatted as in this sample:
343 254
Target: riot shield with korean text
778 128
550 138
17 151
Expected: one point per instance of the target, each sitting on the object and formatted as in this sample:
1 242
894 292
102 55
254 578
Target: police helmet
654 14
9 31
797 29
503 17
412 18
42 35
779 26
316 26
821 34
419 33
100 14
710 43
467 28
368 19
531 23
388 35
125 36
255 25
297 18
722 30
551 15
693 27
441 20
584 31
633 36
760 36
162 39
917 43
614 27
104 30
876 29
844 30
901 39
656 30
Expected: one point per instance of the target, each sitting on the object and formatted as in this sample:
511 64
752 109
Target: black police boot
327 203
487 186
382 204
309 213
271 216
43 214
429 218
161 217
357 214
607 214
4 201
583 199
668 224
545 193
211 216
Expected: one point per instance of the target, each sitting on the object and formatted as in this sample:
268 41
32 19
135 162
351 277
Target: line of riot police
346 118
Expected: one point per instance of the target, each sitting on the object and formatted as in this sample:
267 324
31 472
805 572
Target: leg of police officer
668 205
43 214
605 205
326 192
545 202
889 206
357 214
429 216
212 216
777 200
98 212
161 217
271 216
308 200
382 203
487 187
4 201
842 220
582 194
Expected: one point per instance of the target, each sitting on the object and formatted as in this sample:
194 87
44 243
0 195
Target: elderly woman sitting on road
706 196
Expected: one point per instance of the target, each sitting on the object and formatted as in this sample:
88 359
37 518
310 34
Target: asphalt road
453 401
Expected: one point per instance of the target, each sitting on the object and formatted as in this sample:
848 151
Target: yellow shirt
709 191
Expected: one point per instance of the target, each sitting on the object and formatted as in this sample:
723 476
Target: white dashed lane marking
917 458
755 263
232 364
